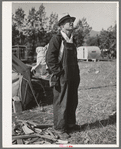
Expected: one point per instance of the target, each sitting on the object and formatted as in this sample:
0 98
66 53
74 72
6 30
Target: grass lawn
97 101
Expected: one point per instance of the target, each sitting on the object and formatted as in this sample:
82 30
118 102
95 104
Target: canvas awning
20 67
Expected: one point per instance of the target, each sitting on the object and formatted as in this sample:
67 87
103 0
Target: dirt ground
97 100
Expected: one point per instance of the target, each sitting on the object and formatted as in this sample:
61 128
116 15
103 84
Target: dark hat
64 17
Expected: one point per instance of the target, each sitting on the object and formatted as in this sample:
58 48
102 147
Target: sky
99 15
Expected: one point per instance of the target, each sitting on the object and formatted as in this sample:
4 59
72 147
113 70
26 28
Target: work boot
74 128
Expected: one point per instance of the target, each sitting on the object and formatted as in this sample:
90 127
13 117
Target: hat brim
65 18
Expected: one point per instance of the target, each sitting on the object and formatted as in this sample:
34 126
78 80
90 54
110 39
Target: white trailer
88 53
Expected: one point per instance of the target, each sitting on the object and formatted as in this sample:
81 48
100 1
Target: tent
22 85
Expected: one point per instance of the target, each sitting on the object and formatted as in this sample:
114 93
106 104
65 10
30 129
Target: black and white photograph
61 74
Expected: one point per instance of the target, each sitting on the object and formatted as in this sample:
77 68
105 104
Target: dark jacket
53 53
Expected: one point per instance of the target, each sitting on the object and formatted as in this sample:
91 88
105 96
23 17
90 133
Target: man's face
67 24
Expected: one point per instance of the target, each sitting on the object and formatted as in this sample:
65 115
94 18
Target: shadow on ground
99 124
43 94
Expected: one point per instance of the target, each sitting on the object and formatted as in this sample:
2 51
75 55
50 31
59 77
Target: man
62 62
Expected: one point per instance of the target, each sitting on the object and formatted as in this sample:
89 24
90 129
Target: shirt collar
70 40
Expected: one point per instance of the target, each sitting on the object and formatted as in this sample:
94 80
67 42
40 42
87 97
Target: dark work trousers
66 94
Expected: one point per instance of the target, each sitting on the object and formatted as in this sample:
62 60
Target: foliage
53 19
17 24
81 32
41 15
15 35
19 17
93 41
106 40
36 20
36 30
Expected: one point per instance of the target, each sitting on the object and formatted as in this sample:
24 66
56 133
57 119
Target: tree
36 21
52 27
112 47
93 41
108 41
107 37
81 32
41 16
17 24
19 18
32 15
53 19
15 35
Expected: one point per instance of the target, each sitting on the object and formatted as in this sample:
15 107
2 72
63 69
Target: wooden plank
52 134
37 130
36 125
28 121
33 136
17 107
19 141
42 126
33 140
24 136
46 137
27 130
62 141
